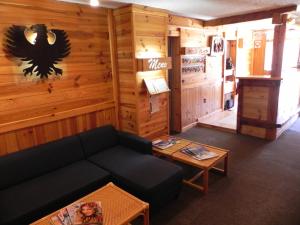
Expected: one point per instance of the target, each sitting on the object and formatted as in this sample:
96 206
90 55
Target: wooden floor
225 120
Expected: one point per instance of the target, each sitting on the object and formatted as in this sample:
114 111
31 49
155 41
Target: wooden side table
205 166
118 206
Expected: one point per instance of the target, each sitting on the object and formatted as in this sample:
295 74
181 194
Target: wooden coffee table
119 207
205 166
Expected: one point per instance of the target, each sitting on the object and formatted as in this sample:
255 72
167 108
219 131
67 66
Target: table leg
146 216
226 165
205 181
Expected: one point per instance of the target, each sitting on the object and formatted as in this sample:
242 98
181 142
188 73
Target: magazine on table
82 213
62 218
199 152
163 144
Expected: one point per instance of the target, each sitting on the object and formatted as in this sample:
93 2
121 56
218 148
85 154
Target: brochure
199 152
163 144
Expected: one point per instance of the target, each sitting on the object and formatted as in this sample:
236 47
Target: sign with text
152 64
195 51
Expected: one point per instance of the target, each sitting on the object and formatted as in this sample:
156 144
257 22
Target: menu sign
152 64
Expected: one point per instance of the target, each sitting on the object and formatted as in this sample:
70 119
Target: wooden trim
122 10
259 123
229 130
240 92
114 63
136 8
15 125
187 127
185 21
260 82
273 105
173 31
250 16
278 47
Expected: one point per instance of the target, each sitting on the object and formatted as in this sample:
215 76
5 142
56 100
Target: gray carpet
263 186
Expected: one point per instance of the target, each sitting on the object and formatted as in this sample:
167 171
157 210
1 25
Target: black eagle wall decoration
44 49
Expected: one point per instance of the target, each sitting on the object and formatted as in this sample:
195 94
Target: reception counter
260 104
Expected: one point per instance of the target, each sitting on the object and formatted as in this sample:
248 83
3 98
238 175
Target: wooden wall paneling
150 30
173 31
114 66
216 99
201 92
192 37
27 137
180 21
136 8
200 101
9 143
135 74
126 71
255 102
33 111
142 33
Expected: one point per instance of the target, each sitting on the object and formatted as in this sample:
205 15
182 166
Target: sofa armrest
135 142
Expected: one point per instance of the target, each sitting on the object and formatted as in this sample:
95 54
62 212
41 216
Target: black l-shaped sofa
39 180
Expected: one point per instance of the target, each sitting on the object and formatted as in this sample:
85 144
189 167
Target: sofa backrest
26 164
98 139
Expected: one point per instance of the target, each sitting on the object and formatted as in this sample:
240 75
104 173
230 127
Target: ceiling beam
250 16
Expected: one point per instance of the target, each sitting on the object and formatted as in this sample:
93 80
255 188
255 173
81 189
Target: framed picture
217 45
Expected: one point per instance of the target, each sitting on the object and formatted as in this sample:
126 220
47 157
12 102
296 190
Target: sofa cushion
30 200
135 142
98 139
38 160
145 176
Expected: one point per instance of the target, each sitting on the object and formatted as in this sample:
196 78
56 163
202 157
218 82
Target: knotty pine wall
197 94
141 33
126 71
151 41
32 111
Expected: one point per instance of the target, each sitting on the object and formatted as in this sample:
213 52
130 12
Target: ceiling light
94 3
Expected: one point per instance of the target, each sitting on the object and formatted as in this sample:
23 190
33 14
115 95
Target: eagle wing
17 44
61 47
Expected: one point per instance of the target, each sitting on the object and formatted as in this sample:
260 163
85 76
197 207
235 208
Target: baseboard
234 131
